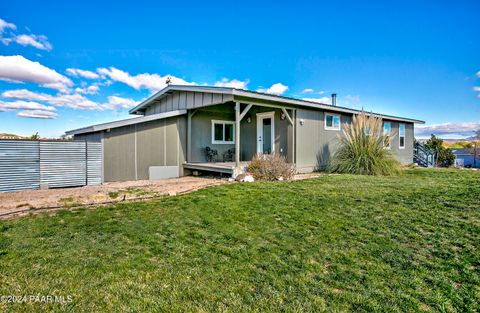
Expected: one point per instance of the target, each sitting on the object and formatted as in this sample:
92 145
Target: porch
238 130
216 167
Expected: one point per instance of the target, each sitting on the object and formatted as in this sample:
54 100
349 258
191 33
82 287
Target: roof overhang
126 122
252 97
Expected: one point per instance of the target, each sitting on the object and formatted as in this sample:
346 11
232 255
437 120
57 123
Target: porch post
237 134
189 136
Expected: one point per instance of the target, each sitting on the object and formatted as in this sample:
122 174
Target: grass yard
335 243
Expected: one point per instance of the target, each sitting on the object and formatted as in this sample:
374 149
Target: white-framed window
401 136
223 132
332 121
387 132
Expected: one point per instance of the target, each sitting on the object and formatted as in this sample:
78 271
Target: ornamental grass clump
362 149
270 167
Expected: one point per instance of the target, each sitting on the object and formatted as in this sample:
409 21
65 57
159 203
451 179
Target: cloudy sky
65 65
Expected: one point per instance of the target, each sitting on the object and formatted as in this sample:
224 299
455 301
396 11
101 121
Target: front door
265 133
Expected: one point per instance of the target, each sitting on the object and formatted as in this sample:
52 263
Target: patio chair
212 155
228 155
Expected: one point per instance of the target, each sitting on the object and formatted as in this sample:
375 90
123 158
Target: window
387 131
332 121
223 132
401 134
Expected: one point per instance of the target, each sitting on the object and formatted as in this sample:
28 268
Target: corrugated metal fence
30 164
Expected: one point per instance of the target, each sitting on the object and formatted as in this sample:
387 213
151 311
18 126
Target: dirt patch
14 203
308 175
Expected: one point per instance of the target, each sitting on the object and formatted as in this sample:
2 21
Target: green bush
362 149
445 156
270 167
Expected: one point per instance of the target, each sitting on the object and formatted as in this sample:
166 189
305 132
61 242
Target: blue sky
418 59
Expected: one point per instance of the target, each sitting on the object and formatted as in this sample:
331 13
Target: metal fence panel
63 164
19 165
32 164
94 163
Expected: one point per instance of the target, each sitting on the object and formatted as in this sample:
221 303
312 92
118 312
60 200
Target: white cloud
275 89
153 82
234 83
115 102
82 73
29 109
465 129
37 41
90 90
73 101
5 25
37 114
322 100
310 90
476 88
21 105
16 68
478 73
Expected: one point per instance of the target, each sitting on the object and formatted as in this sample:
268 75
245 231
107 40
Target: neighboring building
10 136
178 123
466 157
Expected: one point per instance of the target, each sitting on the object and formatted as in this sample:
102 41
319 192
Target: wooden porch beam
237 134
242 115
190 114
260 104
288 116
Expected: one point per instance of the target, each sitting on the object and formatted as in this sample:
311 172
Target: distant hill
456 143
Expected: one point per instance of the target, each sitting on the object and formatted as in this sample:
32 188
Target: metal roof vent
334 99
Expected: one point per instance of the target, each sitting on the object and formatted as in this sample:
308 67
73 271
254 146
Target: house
466 157
177 124
10 137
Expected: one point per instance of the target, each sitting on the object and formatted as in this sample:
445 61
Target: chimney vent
334 99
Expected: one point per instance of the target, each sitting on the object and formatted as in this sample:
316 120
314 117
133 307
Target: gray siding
405 156
92 137
130 151
181 100
119 154
248 134
316 145
202 132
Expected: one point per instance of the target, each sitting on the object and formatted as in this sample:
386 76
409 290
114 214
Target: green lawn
335 243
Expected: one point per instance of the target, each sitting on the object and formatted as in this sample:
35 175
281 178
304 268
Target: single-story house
466 157
185 128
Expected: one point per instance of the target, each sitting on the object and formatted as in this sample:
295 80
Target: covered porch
215 167
240 128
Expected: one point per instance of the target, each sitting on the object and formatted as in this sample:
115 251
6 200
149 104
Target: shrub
270 167
445 156
362 149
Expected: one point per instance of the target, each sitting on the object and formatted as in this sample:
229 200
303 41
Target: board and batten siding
185 100
405 156
315 145
202 132
130 151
